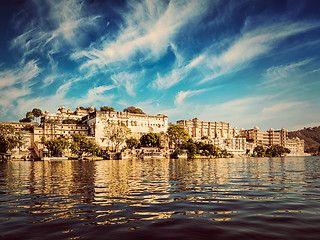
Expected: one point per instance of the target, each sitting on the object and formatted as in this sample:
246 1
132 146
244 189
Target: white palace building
138 124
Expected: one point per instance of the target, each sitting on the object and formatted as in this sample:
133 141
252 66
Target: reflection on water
156 199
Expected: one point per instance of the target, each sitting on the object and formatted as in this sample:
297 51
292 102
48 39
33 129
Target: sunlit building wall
273 137
137 123
198 129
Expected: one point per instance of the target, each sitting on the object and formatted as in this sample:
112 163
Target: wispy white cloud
284 75
56 24
282 106
182 95
127 80
177 74
23 73
149 27
97 96
8 99
240 112
252 44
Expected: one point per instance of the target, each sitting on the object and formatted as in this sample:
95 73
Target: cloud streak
176 75
56 25
19 75
252 44
182 95
126 80
281 107
148 29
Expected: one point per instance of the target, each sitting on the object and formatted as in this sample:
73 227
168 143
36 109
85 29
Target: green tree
9 138
36 112
192 149
259 151
81 144
29 117
133 110
25 120
276 151
28 128
177 135
56 146
106 108
213 150
224 153
150 140
116 134
87 108
132 142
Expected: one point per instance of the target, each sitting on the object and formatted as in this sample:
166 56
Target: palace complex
138 124
272 137
198 129
94 123
219 134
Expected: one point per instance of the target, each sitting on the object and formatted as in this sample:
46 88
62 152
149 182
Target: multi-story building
198 129
219 134
54 130
268 138
272 137
137 123
295 145
236 146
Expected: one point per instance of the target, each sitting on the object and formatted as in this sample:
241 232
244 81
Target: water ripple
156 199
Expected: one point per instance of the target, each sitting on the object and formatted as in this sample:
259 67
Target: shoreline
103 159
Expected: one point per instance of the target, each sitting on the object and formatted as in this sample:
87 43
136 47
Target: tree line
131 109
271 151
36 113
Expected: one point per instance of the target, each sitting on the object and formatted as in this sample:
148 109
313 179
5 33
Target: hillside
311 137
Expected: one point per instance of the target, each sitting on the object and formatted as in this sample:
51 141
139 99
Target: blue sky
243 62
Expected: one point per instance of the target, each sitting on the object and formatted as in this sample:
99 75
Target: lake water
245 198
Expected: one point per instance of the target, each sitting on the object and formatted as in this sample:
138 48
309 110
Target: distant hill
311 137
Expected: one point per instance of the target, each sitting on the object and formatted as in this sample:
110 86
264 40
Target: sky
245 62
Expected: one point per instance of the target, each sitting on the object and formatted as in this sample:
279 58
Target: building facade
198 129
54 130
236 146
220 134
137 123
268 138
295 145
273 137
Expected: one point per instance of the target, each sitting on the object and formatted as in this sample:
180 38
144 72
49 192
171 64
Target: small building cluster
270 137
220 134
93 123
